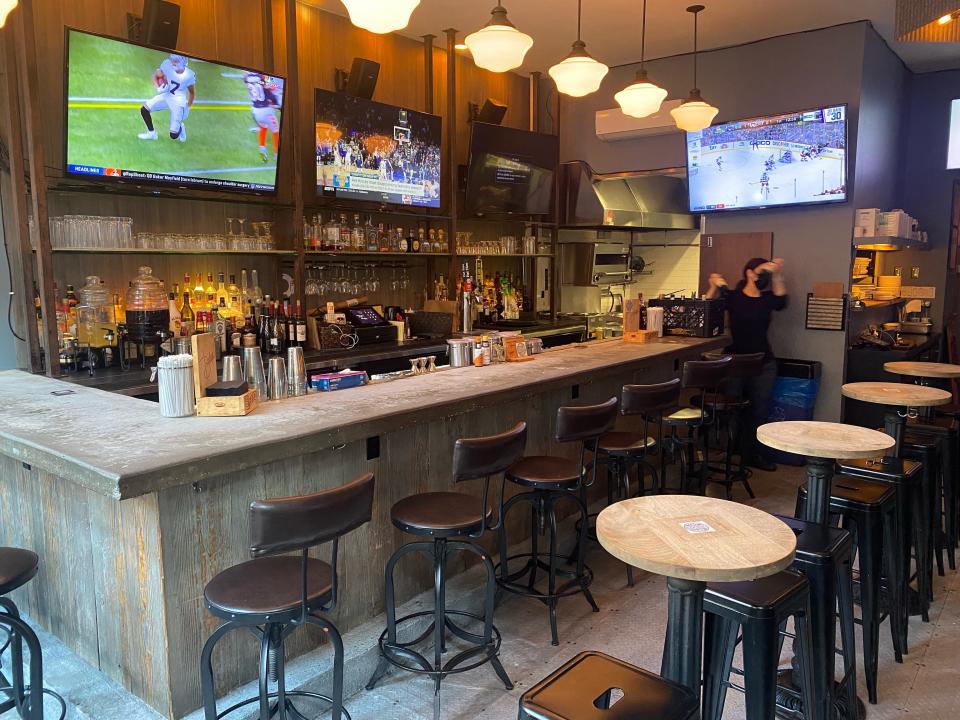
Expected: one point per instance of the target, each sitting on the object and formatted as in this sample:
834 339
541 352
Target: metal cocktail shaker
296 372
253 367
231 368
277 378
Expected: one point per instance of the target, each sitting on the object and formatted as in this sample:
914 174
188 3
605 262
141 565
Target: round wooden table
924 370
693 540
822 443
901 400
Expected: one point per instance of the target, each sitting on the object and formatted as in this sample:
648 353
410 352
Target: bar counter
132 514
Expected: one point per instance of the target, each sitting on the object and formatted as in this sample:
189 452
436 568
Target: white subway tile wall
673 263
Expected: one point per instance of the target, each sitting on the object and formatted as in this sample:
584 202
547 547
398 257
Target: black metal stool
445 517
620 450
945 430
17 568
761 609
926 451
273 594
868 510
732 408
704 377
825 556
594 686
906 478
554 480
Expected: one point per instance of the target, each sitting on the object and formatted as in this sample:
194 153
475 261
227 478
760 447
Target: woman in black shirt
750 305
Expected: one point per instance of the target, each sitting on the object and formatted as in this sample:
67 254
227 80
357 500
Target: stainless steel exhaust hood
655 200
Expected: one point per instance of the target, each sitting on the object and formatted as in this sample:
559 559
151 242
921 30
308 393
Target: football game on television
380 153
798 158
149 116
511 171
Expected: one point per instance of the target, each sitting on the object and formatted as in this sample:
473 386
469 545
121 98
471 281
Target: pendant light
498 46
381 16
578 74
694 113
6 7
642 98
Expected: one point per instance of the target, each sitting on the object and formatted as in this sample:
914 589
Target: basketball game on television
793 159
371 151
150 116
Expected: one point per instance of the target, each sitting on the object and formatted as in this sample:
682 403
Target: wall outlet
898 271
915 272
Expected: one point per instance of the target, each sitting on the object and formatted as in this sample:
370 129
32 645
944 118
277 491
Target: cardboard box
868 219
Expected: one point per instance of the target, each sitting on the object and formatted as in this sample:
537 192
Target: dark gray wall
928 185
781 74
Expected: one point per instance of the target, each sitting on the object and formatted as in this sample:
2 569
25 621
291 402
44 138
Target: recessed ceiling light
945 19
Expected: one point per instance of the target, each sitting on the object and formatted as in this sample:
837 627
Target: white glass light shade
694 114
578 74
642 98
498 46
380 16
6 7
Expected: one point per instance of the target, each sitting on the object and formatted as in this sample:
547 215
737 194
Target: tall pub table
822 443
693 540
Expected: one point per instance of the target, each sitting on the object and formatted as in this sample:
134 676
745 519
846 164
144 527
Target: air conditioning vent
612 125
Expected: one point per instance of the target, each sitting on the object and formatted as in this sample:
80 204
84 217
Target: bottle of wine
277 330
188 319
266 325
290 329
301 323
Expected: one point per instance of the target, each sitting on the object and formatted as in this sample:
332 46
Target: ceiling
611 28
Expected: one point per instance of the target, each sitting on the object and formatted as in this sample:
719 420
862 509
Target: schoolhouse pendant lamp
642 98
498 46
380 16
694 113
578 74
6 7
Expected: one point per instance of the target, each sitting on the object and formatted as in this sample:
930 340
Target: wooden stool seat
17 568
441 514
546 472
582 688
683 415
625 442
267 585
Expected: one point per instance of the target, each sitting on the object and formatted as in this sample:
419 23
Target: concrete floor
630 626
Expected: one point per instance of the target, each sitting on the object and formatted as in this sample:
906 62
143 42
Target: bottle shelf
152 251
358 253
505 255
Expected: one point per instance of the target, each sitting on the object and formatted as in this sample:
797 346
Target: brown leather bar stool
273 594
732 411
553 480
705 378
17 568
584 688
619 450
453 520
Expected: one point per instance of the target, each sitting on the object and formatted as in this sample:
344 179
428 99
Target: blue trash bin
794 398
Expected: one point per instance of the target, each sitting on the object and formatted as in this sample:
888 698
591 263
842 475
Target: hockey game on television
154 116
793 159
371 151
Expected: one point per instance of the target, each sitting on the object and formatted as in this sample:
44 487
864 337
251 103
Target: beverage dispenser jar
95 314
148 311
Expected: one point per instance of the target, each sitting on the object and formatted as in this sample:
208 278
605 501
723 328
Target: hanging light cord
695 17
579 13
643 35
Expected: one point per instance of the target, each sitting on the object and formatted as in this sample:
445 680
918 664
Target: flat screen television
953 145
154 117
797 158
381 153
510 171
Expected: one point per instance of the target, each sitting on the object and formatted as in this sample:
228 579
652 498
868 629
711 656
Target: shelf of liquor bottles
358 253
153 251
504 255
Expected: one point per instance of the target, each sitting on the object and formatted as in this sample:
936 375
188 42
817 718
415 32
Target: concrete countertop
122 447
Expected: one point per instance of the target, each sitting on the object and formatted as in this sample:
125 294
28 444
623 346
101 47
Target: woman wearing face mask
751 305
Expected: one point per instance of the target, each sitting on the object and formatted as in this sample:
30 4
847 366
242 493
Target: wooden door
727 253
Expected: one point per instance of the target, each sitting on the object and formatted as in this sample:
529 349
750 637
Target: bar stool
704 377
824 556
906 478
620 450
868 511
553 480
453 520
584 688
17 568
760 608
926 451
945 430
273 594
732 410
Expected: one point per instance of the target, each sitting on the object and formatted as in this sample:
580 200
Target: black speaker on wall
362 81
490 112
159 26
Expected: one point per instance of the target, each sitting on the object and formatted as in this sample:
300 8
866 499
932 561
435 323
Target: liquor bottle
234 292
221 290
331 234
244 290
266 324
220 329
643 313
290 327
70 299
255 292
412 243
176 294
248 333
356 234
211 289
441 292
185 288
370 236
403 245
188 318
441 245
301 324
343 242
276 330
308 236
199 293
174 315
383 238
421 244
